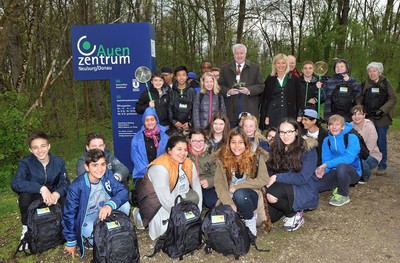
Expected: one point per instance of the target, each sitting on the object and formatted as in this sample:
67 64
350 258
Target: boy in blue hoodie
92 195
341 166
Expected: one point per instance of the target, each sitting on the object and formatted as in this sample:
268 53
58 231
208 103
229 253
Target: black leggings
284 206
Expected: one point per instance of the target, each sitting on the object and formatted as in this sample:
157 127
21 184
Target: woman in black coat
281 97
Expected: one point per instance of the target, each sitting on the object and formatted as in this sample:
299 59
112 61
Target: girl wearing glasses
240 177
293 186
205 166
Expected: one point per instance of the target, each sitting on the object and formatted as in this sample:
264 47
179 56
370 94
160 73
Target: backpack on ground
44 228
183 234
115 239
364 152
342 100
226 233
375 96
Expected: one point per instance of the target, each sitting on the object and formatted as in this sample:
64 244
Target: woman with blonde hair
207 101
240 176
281 96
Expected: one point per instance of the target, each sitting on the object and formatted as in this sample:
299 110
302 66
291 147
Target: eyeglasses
286 133
197 141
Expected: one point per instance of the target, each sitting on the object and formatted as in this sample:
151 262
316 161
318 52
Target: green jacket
205 166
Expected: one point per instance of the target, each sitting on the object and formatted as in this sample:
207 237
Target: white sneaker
137 219
294 222
23 232
251 224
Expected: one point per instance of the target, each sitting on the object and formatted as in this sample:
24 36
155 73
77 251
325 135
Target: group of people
257 146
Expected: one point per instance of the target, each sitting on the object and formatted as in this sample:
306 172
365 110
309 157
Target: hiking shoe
334 192
251 224
339 200
380 171
137 218
294 222
362 181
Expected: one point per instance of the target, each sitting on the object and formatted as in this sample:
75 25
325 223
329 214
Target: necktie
238 69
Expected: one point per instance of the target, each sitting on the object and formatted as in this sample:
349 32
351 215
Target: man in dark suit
241 83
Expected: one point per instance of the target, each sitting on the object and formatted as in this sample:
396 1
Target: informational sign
113 52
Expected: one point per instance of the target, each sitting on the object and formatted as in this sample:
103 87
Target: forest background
37 90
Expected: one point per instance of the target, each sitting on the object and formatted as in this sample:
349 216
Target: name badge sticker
113 225
375 90
343 89
42 211
189 215
182 106
218 219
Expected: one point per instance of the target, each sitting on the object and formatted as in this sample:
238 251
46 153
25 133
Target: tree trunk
342 17
240 23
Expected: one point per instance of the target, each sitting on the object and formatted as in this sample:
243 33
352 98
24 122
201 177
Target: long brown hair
247 163
284 158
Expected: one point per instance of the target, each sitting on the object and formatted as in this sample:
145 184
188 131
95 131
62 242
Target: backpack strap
346 141
158 246
22 246
253 239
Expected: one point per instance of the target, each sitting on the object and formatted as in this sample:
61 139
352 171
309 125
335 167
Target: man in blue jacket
39 175
341 166
92 195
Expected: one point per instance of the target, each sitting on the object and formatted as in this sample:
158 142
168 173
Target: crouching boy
93 195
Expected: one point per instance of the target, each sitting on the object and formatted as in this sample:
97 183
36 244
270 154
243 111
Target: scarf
152 134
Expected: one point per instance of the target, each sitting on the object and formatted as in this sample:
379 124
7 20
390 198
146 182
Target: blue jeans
87 228
246 201
344 176
368 165
382 144
209 197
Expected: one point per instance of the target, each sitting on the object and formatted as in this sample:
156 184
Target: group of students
214 158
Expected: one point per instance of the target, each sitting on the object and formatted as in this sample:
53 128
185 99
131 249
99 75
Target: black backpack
44 227
375 97
342 100
364 152
183 234
115 239
226 233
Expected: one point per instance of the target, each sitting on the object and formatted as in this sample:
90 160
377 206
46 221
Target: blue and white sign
113 52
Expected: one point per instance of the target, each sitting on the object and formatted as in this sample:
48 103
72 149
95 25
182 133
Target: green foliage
14 130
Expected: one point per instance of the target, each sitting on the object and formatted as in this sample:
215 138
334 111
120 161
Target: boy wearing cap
313 129
168 75
181 101
193 81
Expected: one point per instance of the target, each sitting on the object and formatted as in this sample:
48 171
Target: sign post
113 52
